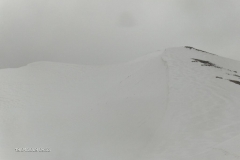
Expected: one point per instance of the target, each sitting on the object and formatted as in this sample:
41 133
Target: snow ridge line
164 128
168 79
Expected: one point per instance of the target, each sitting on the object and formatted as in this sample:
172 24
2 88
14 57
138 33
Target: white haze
104 31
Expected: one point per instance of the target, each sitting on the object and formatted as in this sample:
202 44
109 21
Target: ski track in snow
178 104
203 111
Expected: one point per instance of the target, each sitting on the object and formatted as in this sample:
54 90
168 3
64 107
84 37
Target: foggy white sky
112 31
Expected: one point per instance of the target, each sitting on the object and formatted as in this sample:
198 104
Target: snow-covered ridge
178 104
203 111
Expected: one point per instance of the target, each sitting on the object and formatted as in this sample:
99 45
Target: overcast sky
113 31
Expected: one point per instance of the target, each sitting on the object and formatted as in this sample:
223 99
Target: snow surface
177 104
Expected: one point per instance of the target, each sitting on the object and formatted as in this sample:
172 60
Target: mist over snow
113 31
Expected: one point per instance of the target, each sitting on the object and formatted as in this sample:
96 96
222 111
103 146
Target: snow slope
177 104
203 116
